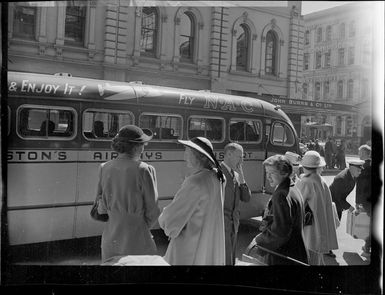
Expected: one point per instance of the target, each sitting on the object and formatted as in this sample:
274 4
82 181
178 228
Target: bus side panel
40 225
85 226
41 184
87 186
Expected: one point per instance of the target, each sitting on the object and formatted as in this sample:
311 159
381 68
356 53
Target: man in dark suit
364 189
236 190
343 184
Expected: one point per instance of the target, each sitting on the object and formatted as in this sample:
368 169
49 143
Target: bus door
163 151
98 125
42 166
282 138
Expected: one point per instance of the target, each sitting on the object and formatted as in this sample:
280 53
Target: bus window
282 135
242 130
164 126
104 124
211 128
45 122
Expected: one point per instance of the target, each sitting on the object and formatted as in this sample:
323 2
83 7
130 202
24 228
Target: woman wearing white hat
194 219
320 235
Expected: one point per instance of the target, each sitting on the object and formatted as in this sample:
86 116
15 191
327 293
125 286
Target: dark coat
364 186
234 192
342 185
282 225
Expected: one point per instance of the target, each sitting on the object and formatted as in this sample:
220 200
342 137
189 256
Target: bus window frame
272 132
208 117
47 107
105 111
244 120
163 114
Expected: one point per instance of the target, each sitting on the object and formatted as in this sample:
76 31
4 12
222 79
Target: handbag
96 215
308 218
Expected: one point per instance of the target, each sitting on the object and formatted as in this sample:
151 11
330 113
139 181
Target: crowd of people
298 224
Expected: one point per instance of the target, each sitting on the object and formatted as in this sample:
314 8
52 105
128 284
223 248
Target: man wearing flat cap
343 184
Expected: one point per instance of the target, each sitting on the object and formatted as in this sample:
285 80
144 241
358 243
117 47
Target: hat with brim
132 133
294 158
312 159
357 163
202 145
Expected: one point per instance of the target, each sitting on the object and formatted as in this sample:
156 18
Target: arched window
307 37
327 58
318 57
317 91
271 53
340 89
304 90
350 89
306 61
338 125
243 37
342 31
187 37
326 89
75 23
328 33
341 56
365 88
149 31
352 29
351 55
24 22
319 35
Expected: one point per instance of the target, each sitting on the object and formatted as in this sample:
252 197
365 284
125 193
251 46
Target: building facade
253 51
338 63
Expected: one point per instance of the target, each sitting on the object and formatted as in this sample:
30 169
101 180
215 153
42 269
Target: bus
60 129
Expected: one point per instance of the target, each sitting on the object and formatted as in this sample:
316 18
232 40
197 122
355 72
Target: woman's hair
280 163
124 147
204 161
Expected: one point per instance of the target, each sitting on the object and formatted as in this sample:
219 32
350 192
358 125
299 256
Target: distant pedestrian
340 155
194 219
329 153
282 223
294 159
236 191
364 189
127 192
334 152
320 235
343 184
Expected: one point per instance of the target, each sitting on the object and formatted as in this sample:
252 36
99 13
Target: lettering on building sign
47 88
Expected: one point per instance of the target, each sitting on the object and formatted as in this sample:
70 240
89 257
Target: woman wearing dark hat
194 219
127 192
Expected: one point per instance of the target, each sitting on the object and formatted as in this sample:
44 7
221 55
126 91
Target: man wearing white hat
343 184
320 236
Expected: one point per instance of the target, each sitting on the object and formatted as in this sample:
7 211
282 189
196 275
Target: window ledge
272 78
242 73
16 40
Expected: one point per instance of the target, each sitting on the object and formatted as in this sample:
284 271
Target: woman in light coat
320 236
127 192
194 219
